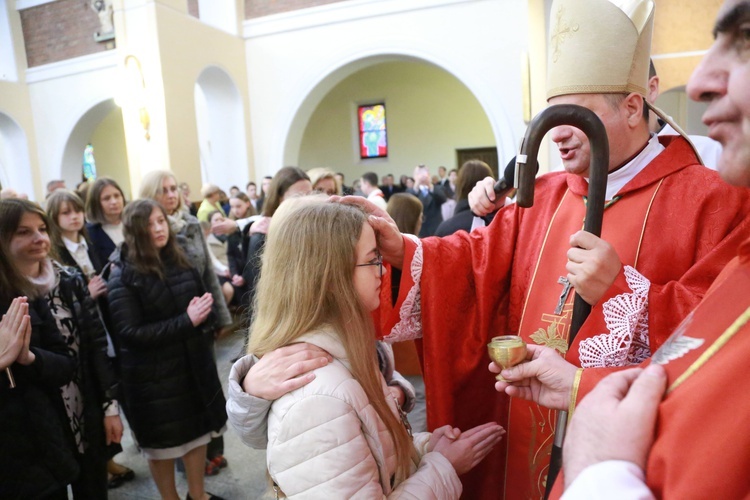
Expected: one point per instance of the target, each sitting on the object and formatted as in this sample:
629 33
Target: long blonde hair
151 186
307 281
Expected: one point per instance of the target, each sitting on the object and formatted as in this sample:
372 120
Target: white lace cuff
409 326
626 316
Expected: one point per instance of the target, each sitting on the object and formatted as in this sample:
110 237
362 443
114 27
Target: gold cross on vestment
562 31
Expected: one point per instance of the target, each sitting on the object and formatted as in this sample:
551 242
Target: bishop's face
722 80
572 143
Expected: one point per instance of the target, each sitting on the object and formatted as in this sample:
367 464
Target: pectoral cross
563 295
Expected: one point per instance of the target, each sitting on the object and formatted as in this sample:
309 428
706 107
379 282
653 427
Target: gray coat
195 246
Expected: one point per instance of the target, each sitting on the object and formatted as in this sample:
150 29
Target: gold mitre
599 47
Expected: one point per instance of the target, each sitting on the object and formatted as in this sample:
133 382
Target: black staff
526 169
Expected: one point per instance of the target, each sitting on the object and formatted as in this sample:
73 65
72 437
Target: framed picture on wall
373 136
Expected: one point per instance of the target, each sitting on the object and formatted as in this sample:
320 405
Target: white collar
618 179
73 247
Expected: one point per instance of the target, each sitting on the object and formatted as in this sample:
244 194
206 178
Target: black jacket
253 250
101 244
36 457
98 380
169 386
432 215
66 258
461 220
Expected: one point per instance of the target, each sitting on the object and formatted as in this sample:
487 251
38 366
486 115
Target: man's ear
633 106
653 89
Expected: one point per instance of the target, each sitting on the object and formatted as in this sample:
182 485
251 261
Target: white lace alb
626 316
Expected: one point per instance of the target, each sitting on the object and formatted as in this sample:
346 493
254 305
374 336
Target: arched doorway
221 129
15 166
430 115
102 126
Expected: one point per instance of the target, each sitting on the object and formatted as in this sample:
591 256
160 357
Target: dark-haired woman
162 318
37 458
469 174
87 247
104 206
89 398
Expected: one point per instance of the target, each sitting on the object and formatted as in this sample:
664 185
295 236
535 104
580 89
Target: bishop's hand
546 378
483 200
593 265
389 239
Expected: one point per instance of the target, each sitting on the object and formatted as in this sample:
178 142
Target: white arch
15 165
80 135
311 91
221 129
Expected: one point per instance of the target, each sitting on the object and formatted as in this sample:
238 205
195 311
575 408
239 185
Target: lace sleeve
626 316
409 324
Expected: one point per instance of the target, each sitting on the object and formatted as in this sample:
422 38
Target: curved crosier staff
526 170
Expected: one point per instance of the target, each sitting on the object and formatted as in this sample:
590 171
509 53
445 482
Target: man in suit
432 198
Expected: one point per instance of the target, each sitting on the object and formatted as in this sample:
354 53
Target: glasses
377 261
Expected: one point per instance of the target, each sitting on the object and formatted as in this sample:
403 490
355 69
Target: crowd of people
112 307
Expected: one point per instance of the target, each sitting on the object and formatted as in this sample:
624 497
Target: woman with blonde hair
343 434
324 181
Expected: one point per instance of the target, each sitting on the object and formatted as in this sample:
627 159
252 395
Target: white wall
295 59
15 168
221 130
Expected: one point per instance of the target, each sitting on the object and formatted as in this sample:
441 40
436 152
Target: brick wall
60 30
260 8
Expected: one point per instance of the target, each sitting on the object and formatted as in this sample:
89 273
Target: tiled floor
245 477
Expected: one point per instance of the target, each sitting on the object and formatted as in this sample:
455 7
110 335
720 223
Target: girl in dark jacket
104 206
89 397
71 244
163 321
37 459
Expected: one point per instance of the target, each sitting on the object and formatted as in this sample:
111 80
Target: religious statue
104 10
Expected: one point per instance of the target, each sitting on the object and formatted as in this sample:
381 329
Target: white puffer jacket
325 440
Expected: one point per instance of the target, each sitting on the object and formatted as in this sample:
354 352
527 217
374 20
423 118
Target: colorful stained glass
373 139
89 164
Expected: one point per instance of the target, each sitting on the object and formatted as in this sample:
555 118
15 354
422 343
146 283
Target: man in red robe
693 443
669 228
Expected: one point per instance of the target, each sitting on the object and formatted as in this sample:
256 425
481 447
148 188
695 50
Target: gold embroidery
562 31
554 336
574 393
713 349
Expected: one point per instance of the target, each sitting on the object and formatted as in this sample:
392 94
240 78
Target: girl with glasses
342 435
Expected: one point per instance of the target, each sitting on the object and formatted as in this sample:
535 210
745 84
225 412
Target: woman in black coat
162 317
37 458
89 398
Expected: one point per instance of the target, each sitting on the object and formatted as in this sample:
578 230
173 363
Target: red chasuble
702 445
674 226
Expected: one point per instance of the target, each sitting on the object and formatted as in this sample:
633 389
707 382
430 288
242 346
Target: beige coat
325 440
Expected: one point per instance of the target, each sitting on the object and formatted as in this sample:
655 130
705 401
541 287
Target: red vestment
675 223
702 447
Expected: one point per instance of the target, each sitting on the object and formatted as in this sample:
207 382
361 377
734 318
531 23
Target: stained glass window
373 140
